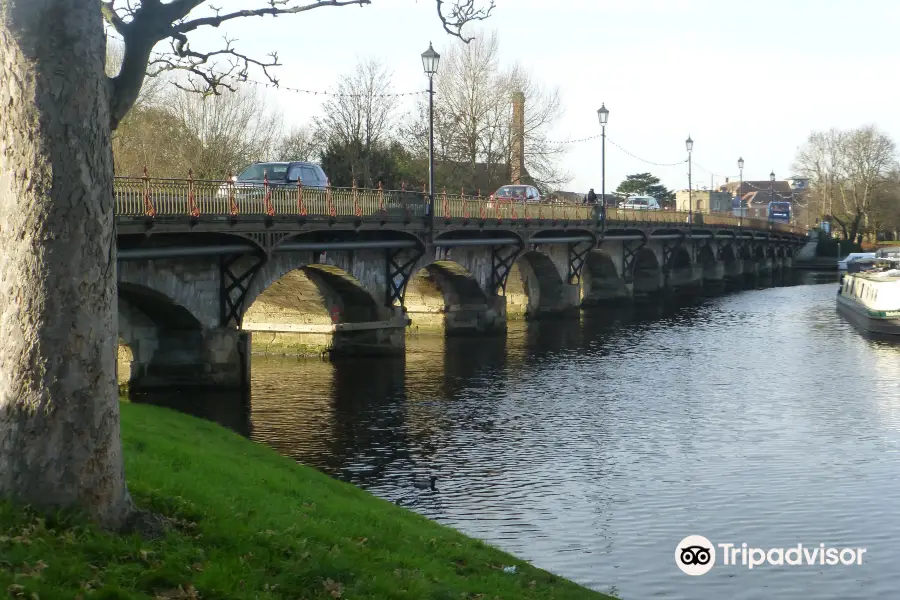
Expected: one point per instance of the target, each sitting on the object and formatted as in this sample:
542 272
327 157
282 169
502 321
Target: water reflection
592 447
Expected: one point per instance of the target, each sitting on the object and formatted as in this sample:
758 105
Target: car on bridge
520 193
278 175
517 193
640 203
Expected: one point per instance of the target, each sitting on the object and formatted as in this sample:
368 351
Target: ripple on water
593 448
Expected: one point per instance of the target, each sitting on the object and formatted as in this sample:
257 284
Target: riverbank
253 524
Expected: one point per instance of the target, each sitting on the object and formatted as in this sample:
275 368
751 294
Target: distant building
798 184
756 195
704 201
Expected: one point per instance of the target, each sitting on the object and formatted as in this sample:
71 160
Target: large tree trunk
59 415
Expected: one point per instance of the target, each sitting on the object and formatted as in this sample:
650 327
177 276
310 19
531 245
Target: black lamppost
771 192
741 193
430 60
603 116
689 144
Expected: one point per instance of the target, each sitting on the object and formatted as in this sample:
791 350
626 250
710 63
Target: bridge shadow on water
358 418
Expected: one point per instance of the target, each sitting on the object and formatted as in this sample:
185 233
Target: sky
743 79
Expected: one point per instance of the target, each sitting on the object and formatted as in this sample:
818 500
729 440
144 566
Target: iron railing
157 197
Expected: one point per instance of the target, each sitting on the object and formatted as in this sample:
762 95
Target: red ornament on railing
462 192
329 199
481 204
513 209
301 206
231 200
381 198
149 209
192 203
446 204
270 210
356 208
540 211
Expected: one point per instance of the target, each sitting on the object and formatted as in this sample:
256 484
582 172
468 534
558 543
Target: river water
593 448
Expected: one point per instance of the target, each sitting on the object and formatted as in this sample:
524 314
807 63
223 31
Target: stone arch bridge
206 274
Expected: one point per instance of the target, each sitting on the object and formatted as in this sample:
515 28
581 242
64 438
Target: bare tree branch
461 13
144 23
273 9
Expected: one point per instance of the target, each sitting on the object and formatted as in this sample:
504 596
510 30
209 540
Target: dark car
279 175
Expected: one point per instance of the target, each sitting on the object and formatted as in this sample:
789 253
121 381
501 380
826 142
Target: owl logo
695 555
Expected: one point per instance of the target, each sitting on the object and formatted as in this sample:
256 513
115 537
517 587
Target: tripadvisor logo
696 555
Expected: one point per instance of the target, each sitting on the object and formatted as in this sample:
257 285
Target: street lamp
689 144
430 60
603 116
741 193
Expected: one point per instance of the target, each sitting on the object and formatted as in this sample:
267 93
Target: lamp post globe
603 114
772 176
430 61
689 144
740 163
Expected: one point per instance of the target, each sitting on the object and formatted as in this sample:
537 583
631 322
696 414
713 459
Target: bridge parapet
194 198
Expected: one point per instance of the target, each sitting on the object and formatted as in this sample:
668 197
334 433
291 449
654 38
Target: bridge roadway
210 272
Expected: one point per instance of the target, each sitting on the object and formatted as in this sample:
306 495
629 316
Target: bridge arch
309 294
445 295
729 257
189 284
713 270
600 279
759 253
151 328
646 271
302 308
534 287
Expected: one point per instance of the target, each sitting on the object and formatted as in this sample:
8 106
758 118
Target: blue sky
747 79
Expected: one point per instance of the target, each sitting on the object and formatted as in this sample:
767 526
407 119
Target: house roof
486 177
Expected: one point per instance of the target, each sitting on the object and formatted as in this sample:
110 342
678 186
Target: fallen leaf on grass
186 592
334 588
35 571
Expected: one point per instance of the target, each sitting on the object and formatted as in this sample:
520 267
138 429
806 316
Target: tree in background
473 141
232 129
59 407
299 144
646 184
357 122
849 173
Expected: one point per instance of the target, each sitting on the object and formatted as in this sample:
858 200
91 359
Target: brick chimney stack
517 154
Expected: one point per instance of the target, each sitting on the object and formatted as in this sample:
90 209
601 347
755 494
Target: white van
640 203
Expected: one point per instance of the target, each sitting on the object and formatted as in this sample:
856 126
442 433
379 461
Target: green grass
251 524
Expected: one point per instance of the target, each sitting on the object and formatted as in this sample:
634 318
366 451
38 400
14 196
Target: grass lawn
252 524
